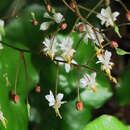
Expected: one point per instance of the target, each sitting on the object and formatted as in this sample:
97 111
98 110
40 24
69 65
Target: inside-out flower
106 64
55 102
92 34
3 119
50 47
107 17
89 80
105 60
66 48
57 18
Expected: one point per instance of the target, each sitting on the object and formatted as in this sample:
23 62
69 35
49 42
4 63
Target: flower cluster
64 48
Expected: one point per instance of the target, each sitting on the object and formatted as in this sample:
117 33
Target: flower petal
60 96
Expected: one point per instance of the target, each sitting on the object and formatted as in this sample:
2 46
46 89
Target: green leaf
122 92
16 114
106 122
121 52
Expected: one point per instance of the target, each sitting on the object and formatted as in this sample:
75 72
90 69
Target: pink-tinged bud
35 22
72 5
38 89
63 26
128 15
48 8
80 27
115 44
16 98
79 106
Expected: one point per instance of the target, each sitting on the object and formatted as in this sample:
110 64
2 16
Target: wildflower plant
48 47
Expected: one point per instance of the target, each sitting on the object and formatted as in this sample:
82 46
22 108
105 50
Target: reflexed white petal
58 17
93 75
73 61
60 96
50 98
67 67
1 23
45 25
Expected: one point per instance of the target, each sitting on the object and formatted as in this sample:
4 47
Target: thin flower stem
17 73
76 21
68 6
91 58
18 49
123 5
97 5
86 9
78 65
78 89
26 73
78 43
57 78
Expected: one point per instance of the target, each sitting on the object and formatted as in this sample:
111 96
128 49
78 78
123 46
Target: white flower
89 80
107 17
92 34
55 103
57 17
66 48
105 60
67 66
45 25
50 47
1 32
3 119
1 23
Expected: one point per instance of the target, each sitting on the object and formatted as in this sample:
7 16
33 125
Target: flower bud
128 15
80 27
79 106
72 5
37 89
15 98
48 8
35 22
115 44
63 26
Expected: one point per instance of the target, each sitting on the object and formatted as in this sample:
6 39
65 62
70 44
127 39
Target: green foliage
122 93
106 122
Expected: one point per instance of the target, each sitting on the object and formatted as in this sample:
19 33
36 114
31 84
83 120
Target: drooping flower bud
63 26
128 15
37 89
16 98
72 4
48 8
35 22
79 105
115 44
80 27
